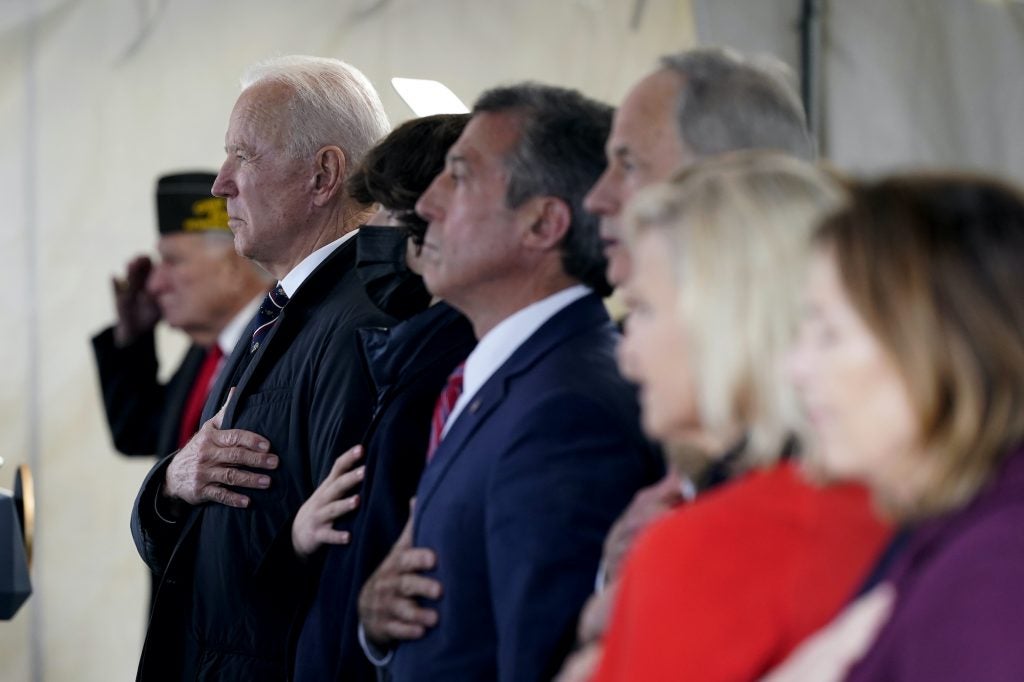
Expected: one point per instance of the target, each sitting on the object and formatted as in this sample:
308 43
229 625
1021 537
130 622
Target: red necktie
443 408
197 395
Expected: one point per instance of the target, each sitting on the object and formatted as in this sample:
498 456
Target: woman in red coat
722 589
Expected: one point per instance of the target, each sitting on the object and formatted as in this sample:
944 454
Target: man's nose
223 186
601 200
426 206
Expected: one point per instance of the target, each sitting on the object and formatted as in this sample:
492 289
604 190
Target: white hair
333 103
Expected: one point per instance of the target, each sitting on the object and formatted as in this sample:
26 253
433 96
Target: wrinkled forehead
262 110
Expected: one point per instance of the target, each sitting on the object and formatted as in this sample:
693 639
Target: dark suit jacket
517 501
144 415
410 364
231 584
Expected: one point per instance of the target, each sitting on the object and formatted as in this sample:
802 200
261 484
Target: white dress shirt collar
294 279
229 336
504 339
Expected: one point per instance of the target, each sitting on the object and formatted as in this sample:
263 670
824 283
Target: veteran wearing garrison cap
198 285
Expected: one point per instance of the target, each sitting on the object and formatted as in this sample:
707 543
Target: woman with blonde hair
911 367
724 588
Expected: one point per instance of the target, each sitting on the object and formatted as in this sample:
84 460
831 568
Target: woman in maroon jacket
911 367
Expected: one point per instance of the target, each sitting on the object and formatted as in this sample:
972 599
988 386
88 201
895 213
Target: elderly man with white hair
214 518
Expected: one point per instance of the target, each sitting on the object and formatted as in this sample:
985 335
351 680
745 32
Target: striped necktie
268 313
443 408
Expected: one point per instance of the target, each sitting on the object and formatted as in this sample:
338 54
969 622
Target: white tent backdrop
903 83
925 82
99 97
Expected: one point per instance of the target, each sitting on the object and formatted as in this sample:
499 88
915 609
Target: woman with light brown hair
911 367
723 588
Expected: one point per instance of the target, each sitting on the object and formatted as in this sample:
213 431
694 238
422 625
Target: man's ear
329 174
550 218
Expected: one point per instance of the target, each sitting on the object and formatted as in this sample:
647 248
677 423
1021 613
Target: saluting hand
137 310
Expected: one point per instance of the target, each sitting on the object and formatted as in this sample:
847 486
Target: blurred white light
427 97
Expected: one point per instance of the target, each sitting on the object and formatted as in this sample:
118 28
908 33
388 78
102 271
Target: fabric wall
925 82
98 98
904 83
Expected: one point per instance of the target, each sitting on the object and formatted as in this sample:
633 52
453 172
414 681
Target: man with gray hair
214 519
697 103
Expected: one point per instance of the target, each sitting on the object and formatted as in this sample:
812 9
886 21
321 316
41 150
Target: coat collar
312 291
391 353
925 539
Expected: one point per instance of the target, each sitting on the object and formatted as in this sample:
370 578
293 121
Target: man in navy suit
539 445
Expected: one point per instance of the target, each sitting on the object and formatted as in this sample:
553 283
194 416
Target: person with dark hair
408 365
910 365
397 171
535 444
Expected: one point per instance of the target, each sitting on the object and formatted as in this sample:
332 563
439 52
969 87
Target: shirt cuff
378 657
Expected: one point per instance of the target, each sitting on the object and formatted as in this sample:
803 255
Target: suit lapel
581 316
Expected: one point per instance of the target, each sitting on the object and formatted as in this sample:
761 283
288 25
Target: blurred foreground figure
725 587
911 367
